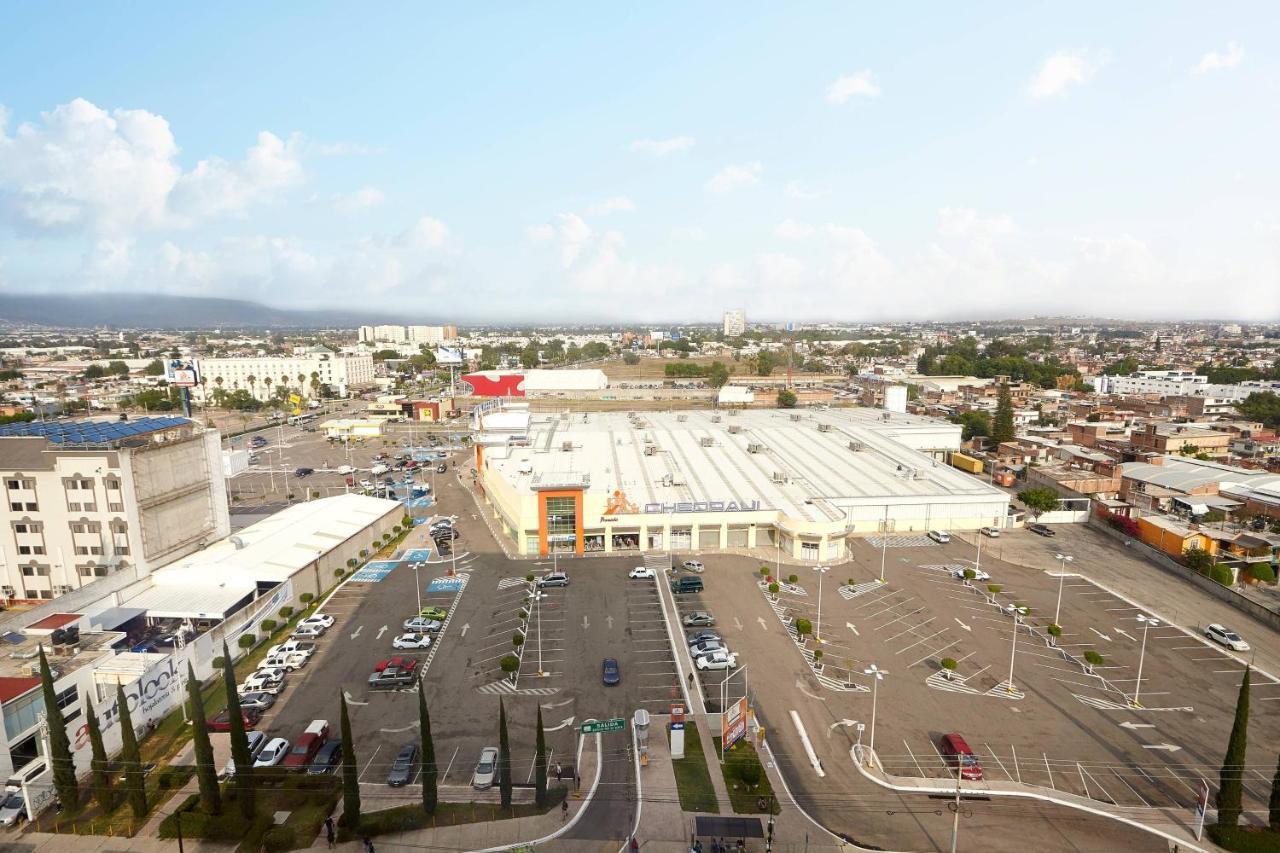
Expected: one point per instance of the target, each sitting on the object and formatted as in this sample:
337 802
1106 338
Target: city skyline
546 166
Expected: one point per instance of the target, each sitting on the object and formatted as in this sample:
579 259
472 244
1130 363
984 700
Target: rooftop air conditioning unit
715 419
917 474
650 449
733 413
564 416
795 418
755 448
735 429
682 418
824 427
855 446
707 441
667 480
566 446
779 477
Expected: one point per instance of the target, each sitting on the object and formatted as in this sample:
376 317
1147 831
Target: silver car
486 769
13 810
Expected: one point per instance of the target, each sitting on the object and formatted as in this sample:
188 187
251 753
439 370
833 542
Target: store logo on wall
703 506
619 504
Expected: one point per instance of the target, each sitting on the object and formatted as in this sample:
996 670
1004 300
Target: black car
1042 529
304 472
444 533
327 759
405 767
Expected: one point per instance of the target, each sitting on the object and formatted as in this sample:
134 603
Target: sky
548 161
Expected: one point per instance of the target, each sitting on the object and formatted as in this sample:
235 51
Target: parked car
307 745
445 534
978 574
405 766
391 678
940 536
610 673
288 661
421 625
956 752
257 701
327 759
411 641
307 632
305 647
407 664
273 753
641 573
440 469
698 619
324 620
693 566
270 673
716 660
13 809
706 647
261 684
433 613
304 472
486 768
553 579
1226 637
993 532
221 721
1042 529
687 583
256 741
704 635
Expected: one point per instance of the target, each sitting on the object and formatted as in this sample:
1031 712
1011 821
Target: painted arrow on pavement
465 627
351 701
1167 747
849 625
550 705
962 625
800 686
1099 633
764 626
737 623
838 723
357 632
1128 725
381 631
585 623
608 621
568 721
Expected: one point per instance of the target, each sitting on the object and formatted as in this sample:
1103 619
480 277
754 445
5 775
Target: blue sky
585 161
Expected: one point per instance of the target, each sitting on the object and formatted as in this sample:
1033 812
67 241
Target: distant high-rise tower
735 324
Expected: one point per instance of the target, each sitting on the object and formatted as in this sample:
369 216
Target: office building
306 375
735 324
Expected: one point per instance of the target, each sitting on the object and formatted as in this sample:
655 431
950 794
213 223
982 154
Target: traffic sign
592 727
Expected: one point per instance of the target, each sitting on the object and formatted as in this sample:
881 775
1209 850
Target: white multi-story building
735 324
407 334
85 498
305 374
1180 383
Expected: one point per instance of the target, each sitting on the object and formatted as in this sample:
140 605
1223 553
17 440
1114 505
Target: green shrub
749 772
1262 572
970 574
949 665
517 639
509 663
764 571
529 577
307 597
524 614
848 582
351 564
804 626
286 612
773 588
247 641
1220 573
994 588
218 662
269 626
279 838
792 579
1093 659
817 655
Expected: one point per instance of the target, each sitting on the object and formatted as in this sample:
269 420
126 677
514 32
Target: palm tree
267 381
253 385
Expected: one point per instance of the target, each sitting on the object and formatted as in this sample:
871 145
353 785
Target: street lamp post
977 563
1063 559
821 570
417 585
877 675
1018 612
1148 622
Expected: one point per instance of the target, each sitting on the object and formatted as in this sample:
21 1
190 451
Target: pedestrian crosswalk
511 583
505 687
901 541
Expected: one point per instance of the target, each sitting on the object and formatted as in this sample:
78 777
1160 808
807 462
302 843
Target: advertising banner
733 723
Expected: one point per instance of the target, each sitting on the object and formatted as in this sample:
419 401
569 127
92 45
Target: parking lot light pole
977 562
417 586
877 675
821 570
1018 613
1148 622
1062 559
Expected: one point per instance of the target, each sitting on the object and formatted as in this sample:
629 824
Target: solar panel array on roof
90 432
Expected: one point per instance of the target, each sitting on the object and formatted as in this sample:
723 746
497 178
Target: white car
716 660
256 741
702 648
345 469
992 532
411 641
273 753
978 574
307 632
257 684
1226 637
302 647
324 620
940 536
693 566
641 573
269 673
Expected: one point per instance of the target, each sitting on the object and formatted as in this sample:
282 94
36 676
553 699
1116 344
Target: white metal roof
193 601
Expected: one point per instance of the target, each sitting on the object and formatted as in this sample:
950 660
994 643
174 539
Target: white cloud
965 222
690 233
790 229
779 271
82 168
797 190
732 177
362 199
858 84
540 233
343 149
1062 70
570 230
1214 61
662 147
427 233
616 204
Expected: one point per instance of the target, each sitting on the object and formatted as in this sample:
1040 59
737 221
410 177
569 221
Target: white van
940 536
379 469
346 469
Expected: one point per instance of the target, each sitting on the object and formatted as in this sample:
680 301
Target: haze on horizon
586 163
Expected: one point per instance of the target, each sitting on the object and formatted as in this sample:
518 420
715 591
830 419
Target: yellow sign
295 399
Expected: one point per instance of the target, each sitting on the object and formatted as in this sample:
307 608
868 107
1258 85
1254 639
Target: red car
956 752
402 664
221 722
307 745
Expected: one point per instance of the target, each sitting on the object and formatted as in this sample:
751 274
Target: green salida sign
591 727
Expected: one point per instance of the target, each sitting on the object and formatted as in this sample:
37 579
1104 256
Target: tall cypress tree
350 778
430 794
135 785
1002 424
1230 786
540 764
99 770
206 773
239 740
1275 800
504 756
64 768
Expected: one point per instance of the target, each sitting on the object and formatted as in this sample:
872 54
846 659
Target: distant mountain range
157 311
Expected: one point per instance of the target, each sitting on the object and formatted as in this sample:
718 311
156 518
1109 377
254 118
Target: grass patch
93 820
410 817
308 799
746 780
1245 839
693 779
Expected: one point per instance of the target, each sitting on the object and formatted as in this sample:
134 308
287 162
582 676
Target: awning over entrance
192 602
728 827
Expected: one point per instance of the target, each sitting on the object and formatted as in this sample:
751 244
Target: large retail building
799 481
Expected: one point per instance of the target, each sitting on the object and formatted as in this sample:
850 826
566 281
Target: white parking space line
369 762
919 769
1003 769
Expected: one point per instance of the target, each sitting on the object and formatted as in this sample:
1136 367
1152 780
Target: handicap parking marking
417 555
445 583
374 571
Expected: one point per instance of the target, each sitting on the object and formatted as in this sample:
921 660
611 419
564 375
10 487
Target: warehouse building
533 383
801 482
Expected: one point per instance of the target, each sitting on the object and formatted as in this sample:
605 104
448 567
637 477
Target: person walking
368 845
329 833
564 811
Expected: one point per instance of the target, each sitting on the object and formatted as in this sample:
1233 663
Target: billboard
733 723
448 356
181 373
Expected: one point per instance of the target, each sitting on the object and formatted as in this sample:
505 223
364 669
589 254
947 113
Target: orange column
576 494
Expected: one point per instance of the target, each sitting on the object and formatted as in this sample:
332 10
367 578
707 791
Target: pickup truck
379 469
288 661
392 677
